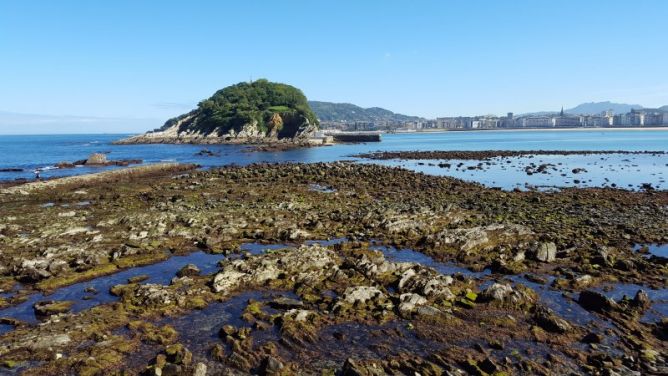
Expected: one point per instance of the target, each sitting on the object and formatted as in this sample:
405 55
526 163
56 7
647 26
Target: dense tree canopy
243 103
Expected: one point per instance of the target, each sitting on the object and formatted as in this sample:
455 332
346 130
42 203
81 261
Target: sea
627 171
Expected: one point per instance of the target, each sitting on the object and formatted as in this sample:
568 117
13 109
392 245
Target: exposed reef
424 274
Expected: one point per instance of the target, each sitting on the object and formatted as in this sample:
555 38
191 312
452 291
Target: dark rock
626 265
285 303
548 320
178 354
592 337
535 278
352 367
488 366
595 301
65 165
227 330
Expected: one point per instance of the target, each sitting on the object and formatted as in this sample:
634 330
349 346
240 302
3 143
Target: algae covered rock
50 307
97 159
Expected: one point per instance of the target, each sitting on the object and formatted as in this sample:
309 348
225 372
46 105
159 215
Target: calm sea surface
626 171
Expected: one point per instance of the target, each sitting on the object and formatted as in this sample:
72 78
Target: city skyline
150 61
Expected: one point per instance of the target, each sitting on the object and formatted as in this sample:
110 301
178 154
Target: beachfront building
535 122
459 122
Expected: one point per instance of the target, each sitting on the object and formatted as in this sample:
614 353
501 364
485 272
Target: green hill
275 109
346 112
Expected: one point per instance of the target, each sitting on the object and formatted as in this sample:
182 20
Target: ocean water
625 171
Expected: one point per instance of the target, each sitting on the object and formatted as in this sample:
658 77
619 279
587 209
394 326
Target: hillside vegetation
276 109
346 112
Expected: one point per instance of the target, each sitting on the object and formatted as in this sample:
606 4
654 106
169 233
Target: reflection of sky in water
627 171
658 297
160 273
660 250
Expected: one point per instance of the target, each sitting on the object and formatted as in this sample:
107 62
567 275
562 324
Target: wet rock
624 264
427 283
409 302
138 278
362 294
548 320
286 303
271 366
97 159
50 307
497 291
592 337
641 300
217 352
308 264
595 301
504 295
352 367
582 281
50 341
154 295
470 239
190 270
298 315
546 252
178 354
488 365
535 278
227 330
373 263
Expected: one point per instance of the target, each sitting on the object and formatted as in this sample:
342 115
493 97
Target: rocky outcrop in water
259 112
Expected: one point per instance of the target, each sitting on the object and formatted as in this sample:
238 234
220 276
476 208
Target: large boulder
97 159
548 320
546 252
595 301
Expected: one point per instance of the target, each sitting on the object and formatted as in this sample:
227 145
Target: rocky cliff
257 112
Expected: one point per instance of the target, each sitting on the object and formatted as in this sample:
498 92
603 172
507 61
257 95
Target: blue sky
150 60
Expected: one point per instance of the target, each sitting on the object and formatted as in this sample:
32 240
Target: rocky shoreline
531 294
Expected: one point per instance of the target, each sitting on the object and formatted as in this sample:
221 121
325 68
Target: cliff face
258 112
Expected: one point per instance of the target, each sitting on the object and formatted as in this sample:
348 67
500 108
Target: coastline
97 177
662 128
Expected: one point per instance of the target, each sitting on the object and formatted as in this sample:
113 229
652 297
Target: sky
127 66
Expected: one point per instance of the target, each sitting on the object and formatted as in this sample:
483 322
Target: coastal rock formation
256 112
250 270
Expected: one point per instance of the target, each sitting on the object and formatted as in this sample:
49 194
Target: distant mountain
328 111
598 107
